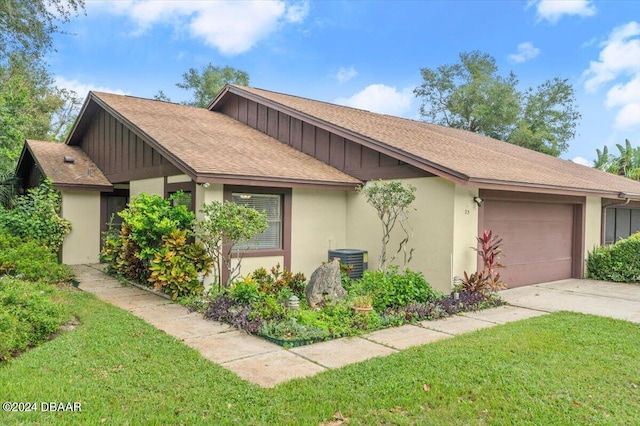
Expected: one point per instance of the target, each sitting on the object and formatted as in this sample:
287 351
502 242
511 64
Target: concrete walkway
266 364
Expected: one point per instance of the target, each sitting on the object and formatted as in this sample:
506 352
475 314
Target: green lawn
561 369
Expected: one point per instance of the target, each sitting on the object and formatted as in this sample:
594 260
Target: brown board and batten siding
120 153
339 152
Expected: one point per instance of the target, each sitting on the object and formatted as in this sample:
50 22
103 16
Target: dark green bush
30 312
618 262
36 216
393 288
31 261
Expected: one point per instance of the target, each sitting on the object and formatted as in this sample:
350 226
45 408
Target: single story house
301 161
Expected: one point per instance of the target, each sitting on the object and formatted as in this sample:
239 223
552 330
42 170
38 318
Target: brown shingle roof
82 173
453 152
211 144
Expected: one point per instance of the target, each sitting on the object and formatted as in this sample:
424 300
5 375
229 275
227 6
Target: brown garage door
537 240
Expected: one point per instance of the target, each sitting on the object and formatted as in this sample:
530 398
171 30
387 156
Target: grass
556 369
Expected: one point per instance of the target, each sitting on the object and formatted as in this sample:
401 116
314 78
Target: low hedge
619 262
30 260
30 312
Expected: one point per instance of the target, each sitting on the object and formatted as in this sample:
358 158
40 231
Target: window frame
285 193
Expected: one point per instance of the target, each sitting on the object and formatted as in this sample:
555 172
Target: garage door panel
537 240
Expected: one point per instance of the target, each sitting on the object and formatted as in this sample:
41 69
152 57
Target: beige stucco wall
213 192
432 219
147 186
465 230
318 224
178 179
82 244
250 264
592 224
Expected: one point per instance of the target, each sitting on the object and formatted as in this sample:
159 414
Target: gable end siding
120 153
341 153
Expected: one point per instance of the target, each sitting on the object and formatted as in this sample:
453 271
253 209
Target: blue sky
365 54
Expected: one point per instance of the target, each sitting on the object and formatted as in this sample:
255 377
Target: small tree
391 201
224 225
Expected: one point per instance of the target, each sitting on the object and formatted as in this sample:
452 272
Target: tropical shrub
276 280
179 267
393 288
149 218
146 221
30 260
36 215
30 312
487 279
618 262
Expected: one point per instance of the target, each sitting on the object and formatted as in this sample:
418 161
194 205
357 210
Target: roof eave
273 182
82 187
548 189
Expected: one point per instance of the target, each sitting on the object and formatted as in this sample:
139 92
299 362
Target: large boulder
324 284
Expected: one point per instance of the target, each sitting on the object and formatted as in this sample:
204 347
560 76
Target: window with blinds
272 205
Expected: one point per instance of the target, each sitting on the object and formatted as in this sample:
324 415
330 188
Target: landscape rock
325 283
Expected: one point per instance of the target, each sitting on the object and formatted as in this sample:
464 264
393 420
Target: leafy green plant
278 279
149 218
293 331
245 291
487 279
36 216
31 261
29 313
393 288
618 262
177 269
224 225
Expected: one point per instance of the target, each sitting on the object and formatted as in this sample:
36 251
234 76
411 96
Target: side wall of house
432 219
318 224
82 209
465 229
592 224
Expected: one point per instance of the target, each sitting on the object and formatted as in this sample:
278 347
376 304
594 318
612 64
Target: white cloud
82 89
583 161
620 55
553 10
526 51
346 74
232 27
628 116
382 99
619 62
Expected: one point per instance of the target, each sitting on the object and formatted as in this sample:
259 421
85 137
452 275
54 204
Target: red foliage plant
487 279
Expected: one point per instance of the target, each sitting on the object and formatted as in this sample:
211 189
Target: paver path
265 363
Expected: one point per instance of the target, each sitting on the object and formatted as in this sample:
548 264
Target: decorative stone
325 284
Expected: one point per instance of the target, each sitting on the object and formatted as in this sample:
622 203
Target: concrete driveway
615 300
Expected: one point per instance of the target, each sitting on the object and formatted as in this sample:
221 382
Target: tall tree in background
206 83
471 95
31 107
27 27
